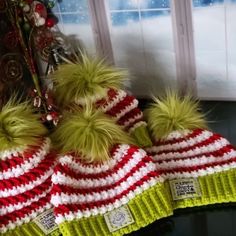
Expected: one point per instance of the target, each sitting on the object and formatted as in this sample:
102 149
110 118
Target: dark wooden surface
210 221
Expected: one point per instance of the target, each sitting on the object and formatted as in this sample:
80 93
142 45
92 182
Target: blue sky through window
122 11
204 3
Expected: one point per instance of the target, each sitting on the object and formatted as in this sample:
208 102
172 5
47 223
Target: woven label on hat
118 218
184 188
46 222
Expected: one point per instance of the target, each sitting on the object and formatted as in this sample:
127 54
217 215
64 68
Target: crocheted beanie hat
26 166
199 165
94 80
103 185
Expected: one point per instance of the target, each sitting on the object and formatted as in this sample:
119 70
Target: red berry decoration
39 7
50 22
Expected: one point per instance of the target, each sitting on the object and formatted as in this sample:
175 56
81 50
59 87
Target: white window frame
101 29
181 12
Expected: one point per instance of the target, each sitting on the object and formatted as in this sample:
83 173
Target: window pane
154 4
159 50
74 22
55 7
215 48
123 4
204 3
72 5
127 40
210 50
142 42
124 18
154 14
136 4
231 36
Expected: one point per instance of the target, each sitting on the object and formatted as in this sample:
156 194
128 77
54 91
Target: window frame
183 37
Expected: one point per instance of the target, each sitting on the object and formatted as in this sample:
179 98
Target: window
185 43
141 34
74 21
214 34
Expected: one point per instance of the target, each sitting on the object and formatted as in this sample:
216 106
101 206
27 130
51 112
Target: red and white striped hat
92 79
198 164
123 107
114 197
26 166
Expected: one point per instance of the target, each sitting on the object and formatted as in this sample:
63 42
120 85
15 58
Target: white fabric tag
184 188
46 222
118 218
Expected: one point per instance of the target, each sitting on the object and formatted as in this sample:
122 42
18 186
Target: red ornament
50 22
39 7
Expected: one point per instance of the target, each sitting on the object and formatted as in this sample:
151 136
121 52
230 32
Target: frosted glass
123 4
159 50
142 42
126 36
231 36
72 5
150 4
210 51
203 3
74 21
215 36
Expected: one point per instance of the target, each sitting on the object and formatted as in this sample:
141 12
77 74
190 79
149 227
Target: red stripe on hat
131 125
217 154
27 195
111 95
193 134
198 167
68 208
19 214
120 164
30 176
206 142
121 105
130 115
77 159
113 151
13 161
57 188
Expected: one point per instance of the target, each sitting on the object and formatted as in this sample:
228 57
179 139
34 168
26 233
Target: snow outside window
142 41
74 21
215 36
157 42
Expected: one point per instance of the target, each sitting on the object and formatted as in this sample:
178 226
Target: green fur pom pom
173 112
88 133
19 125
86 79
142 137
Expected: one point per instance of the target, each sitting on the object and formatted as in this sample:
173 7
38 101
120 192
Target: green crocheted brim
147 207
29 229
141 136
215 188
